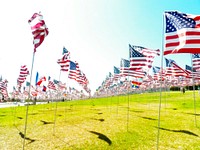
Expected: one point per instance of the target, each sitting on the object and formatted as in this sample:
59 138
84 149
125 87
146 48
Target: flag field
118 122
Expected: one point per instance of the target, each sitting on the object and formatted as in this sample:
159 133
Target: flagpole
194 98
27 106
159 109
55 112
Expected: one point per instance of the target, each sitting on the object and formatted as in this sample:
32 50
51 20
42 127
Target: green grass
121 122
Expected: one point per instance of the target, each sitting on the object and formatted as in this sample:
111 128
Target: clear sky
96 32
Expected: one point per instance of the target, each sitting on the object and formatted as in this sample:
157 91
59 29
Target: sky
97 33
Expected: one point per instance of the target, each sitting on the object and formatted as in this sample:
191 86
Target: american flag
65 51
182 33
39 29
146 51
156 71
72 71
172 69
3 88
192 74
65 60
116 73
23 74
51 84
125 70
149 53
138 61
196 62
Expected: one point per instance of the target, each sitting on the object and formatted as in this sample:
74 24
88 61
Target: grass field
119 123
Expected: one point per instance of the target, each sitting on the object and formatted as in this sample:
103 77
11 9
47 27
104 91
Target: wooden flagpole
27 106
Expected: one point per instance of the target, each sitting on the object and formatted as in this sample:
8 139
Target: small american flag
182 33
196 62
172 69
125 70
72 70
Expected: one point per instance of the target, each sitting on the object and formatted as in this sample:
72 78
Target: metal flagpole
194 98
56 108
27 106
159 109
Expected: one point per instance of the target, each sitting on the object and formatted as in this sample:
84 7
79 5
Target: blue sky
96 32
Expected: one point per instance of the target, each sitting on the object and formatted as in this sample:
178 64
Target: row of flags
182 35
73 70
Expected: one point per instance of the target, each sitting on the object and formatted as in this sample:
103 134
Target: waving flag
72 70
23 74
138 61
149 53
41 80
39 29
173 69
116 73
125 70
196 62
64 62
182 33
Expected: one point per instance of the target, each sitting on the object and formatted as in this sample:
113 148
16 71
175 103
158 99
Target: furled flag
39 29
44 89
36 78
182 33
23 74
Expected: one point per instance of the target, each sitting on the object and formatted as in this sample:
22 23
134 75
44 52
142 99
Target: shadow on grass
101 120
19 117
33 114
26 138
193 114
148 118
2 115
46 122
102 137
136 111
180 131
99 113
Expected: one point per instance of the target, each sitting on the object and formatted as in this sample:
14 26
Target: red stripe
183 50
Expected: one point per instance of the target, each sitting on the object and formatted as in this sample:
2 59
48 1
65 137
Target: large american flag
39 29
182 33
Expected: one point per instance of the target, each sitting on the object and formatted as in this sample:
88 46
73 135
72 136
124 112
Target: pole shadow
102 137
26 138
46 122
180 131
